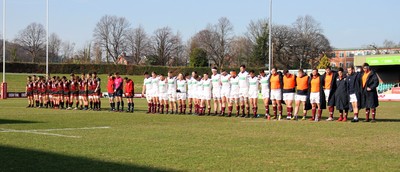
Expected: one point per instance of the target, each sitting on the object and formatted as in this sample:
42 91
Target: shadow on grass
12 121
17 159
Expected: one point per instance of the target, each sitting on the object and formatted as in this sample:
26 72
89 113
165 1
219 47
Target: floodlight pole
4 41
4 84
270 37
47 39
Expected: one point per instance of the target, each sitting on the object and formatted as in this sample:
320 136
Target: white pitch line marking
43 131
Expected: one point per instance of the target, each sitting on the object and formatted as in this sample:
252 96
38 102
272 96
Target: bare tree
282 45
54 47
111 32
165 45
32 39
216 40
241 52
389 44
138 43
97 53
68 50
309 41
258 34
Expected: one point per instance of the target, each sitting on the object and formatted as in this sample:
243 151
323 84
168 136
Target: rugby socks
248 110
289 111
367 112
274 108
255 111
132 107
118 104
319 114
184 109
243 112
122 105
340 115
209 111
230 110
148 107
267 110
222 110
331 110
280 109
190 108
373 111
91 104
162 109
167 105
313 111
237 110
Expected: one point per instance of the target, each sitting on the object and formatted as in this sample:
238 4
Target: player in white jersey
181 93
234 94
146 91
244 90
154 86
191 81
265 91
225 90
216 90
172 93
198 91
253 92
206 84
163 93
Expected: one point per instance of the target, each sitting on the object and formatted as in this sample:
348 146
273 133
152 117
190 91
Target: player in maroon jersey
74 90
29 91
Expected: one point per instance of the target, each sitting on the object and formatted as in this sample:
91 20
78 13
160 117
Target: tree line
299 45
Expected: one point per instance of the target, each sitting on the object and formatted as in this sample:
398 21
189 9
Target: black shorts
129 95
90 92
82 93
111 95
75 93
29 93
48 92
66 93
119 93
34 92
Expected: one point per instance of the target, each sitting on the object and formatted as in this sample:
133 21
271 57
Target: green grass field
60 140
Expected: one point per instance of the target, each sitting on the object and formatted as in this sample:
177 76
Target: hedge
99 68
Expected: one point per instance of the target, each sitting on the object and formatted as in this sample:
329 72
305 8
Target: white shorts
314 98
225 92
148 97
353 98
172 97
234 95
253 94
216 94
163 96
206 96
190 94
181 96
302 98
265 94
155 94
244 92
288 96
276 94
327 92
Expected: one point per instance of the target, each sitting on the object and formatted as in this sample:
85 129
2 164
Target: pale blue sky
346 23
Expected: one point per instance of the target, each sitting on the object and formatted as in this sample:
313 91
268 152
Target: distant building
345 57
124 59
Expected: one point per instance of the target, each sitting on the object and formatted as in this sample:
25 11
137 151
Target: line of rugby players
316 92
61 93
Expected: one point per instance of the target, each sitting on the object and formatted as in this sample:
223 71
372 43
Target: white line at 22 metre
46 131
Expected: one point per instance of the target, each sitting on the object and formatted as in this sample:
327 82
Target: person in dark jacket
369 95
329 86
341 97
354 91
317 95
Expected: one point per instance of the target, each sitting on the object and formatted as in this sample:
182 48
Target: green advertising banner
389 60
